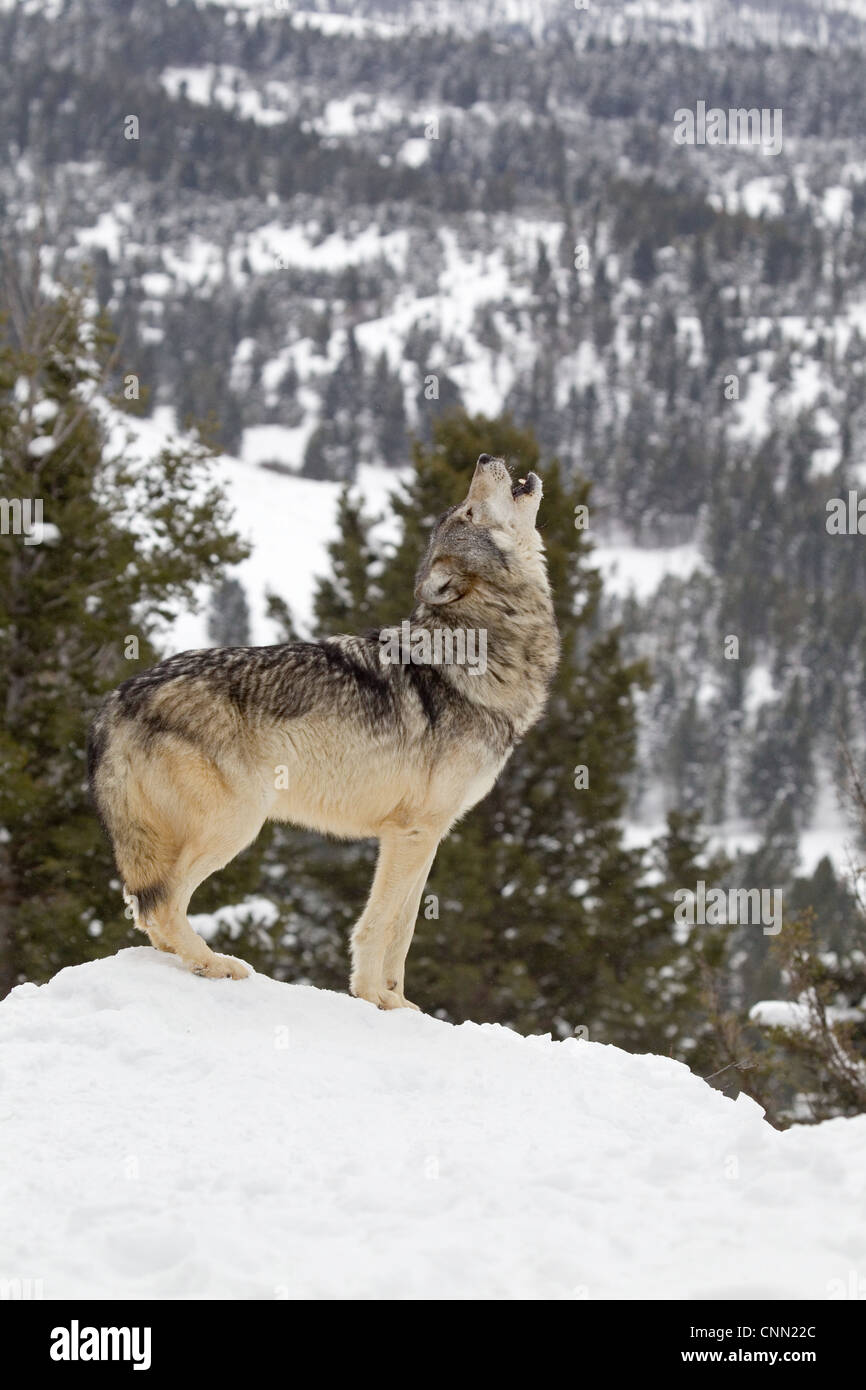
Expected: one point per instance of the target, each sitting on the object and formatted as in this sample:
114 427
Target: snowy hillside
693 21
322 226
171 1137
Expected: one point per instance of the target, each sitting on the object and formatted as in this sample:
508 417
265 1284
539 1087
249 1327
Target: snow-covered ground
172 1137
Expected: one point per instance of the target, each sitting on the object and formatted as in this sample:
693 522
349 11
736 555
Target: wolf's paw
222 968
381 996
394 992
401 1002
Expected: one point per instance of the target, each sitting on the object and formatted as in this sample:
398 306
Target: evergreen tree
390 413
80 610
350 598
228 623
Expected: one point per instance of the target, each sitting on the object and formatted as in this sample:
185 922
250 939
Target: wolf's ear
439 582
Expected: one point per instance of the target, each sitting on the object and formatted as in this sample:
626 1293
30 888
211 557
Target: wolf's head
486 547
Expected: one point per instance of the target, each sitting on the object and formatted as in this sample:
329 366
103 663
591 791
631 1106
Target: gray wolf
189 759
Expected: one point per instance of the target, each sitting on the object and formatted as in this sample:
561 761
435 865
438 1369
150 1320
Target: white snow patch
414 152
108 231
272 246
754 406
44 410
274 444
796 1016
836 205
156 284
235 917
639 570
41 446
758 197
173 1137
228 87
329 24
759 688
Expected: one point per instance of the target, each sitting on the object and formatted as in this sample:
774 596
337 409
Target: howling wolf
189 759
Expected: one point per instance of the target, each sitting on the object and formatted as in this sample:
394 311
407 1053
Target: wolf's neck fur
521 653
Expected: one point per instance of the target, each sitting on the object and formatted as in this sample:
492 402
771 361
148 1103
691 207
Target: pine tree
350 598
80 610
228 623
804 1057
390 413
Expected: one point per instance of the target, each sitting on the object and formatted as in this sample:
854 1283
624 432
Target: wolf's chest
481 783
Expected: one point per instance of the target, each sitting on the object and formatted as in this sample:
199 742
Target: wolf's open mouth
524 486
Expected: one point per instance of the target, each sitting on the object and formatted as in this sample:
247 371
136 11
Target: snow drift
166 1136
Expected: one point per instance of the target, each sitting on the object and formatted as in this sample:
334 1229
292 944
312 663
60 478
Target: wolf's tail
143 850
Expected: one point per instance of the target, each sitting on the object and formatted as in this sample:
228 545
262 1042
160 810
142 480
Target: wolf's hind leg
171 931
161 942
137 907
205 852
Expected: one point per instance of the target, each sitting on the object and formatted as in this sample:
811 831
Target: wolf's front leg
382 935
400 937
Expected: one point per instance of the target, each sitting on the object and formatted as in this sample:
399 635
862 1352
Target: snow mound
172 1137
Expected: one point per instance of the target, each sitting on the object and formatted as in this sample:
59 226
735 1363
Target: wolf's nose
484 458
